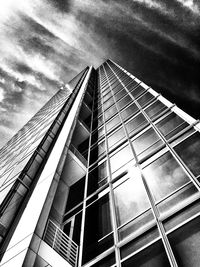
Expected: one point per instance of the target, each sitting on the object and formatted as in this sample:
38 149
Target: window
145 99
120 158
129 111
97 228
155 109
136 124
188 150
152 256
124 102
108 103
171 125
138 91
76 194
185 244
130 198
146 143
110 112
115 137
112 123
119 95
97 151
97 177
164 175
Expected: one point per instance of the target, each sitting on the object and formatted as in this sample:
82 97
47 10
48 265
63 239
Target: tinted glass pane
164 175
124 102
171 125
120 94
138 91
185 244
120 158
115 137
110 112
106 262
96 177
97 226
146 143
130 199
145 99
155 109
134 125
153 256
112 123
129 111
188 150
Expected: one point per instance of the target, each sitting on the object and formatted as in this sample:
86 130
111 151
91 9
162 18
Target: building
107 173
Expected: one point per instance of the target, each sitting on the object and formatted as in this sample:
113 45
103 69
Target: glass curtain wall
140 203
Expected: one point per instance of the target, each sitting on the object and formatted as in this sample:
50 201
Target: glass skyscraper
107 173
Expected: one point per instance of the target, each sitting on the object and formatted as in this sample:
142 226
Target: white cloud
1 94
191 5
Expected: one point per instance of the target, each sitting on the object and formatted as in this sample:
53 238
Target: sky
45 43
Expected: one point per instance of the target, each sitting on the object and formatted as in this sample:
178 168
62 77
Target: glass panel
155 109
130 198
188 150
97 151
97 226
96 178
121 94
164 175
185 244
135 125
152 256
76 194
106 262
120 158
108 103
112 123
124 102
139 223
110 112
115 137
171 125
146 143
131 85
138 91
129 111
145 99
139 242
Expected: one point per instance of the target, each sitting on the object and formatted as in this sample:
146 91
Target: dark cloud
51 41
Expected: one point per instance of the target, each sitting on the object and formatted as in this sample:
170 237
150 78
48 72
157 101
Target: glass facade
136 200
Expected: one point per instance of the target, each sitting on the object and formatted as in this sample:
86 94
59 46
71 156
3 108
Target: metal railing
61 243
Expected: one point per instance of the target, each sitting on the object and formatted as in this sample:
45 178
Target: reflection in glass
189 151
96 177
185 244
171 125
130 199
152 256
116 136
155 109
120 158
164 175
112 123
129 111
146 143
135 124
145 99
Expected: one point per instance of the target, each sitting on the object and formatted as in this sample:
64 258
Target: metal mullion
112 201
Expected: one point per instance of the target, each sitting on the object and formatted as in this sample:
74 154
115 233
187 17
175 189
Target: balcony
61 243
